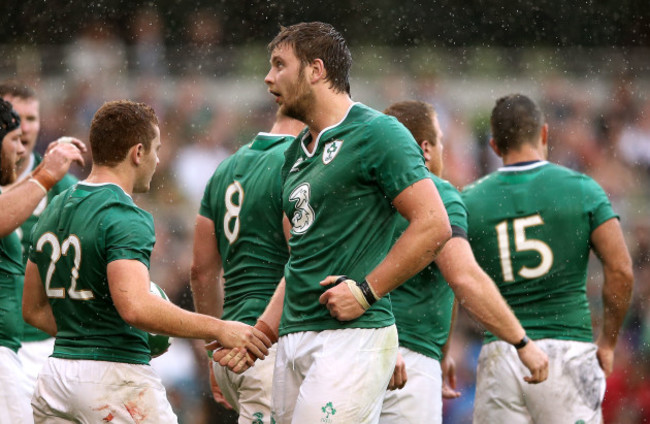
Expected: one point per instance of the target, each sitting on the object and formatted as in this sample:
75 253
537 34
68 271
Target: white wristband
358 294
35 181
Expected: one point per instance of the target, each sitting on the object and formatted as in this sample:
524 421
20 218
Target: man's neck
527 153
329 109
115 175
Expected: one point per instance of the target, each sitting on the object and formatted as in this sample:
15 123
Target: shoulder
473 187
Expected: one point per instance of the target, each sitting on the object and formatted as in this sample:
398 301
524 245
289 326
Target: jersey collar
523 166
305 137
265 140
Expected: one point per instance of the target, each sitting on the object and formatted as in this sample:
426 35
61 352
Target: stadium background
201 66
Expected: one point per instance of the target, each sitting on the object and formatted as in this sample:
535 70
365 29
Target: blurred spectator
147 56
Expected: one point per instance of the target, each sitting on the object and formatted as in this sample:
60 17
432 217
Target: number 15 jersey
530 227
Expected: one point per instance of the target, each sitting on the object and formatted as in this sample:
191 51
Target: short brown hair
119 125
515 120
17 88
317 40
417 117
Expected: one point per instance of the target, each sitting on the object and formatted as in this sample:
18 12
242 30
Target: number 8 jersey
338 199
530 227
82 230
243 199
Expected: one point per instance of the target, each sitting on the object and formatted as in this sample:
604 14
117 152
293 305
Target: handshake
239 359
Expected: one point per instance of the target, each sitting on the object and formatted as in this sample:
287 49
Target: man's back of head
515 120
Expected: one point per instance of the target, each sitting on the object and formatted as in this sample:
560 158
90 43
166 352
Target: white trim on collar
103 184
302 141
523 167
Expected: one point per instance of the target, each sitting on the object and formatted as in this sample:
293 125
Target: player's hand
59 156
236 334
448 366
399 377
237 359
605 355
536 360
340 301
217 394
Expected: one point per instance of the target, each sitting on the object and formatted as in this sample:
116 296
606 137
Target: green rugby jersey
11 291
77 236
30 333
530 227
338 199
244 200
423 305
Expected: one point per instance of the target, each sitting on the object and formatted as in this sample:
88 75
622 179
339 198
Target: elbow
131 315
440 235
28 316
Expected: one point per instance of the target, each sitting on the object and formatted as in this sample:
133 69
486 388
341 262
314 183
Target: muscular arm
205 274
609 245
427 232
478 294
19 201
17 204
37 311
128 281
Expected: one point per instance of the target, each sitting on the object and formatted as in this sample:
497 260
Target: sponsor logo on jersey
331 150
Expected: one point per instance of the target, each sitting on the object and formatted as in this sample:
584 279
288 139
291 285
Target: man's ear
493 145
136 153
316 71
544 134
426 149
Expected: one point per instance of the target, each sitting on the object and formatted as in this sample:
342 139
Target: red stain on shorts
134 410
108 418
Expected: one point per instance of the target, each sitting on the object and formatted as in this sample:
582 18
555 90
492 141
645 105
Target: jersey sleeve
129 234
392 157
206 208
455 207
596 203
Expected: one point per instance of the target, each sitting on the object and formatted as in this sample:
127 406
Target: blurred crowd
207 110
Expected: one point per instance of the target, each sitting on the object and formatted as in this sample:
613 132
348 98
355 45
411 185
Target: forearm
452 323
476 292
273 312
481 298
154 315
617 293
207 292
17 204
41 318
413 251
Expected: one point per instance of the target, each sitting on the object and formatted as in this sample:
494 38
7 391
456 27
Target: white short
420 401
33 356
249 392
572 393
83 391
14 389
333 376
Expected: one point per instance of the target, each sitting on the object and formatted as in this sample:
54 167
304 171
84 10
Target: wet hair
17 88
119 125
515 120
417 117
9 121
318 40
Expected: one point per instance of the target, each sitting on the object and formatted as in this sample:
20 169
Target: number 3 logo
304 215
